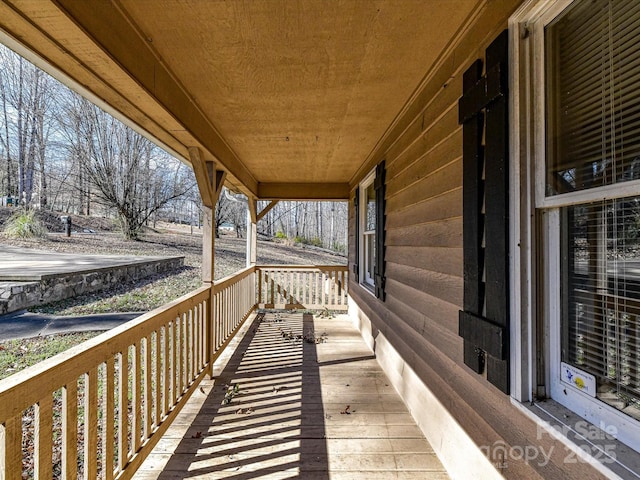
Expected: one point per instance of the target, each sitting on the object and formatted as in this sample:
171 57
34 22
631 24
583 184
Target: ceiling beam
303 191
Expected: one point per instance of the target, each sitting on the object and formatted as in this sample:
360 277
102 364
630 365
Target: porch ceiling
289 97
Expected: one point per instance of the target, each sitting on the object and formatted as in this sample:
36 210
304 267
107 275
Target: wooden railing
303 286
233 301
98 409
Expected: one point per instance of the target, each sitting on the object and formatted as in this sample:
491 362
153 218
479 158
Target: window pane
601 297
371 208
370 242
593 99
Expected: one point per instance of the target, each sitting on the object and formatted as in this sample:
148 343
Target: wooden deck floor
302 410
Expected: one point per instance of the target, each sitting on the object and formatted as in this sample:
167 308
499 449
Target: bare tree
26 95
233 210
317 223
127 172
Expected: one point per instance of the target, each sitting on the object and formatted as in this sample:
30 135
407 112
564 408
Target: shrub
280 234
23 224
316 242
339 247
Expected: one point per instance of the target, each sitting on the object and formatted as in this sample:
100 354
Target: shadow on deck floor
308 410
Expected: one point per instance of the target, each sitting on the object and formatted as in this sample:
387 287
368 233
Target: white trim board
458 453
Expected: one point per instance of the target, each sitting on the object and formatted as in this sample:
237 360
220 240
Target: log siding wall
424 268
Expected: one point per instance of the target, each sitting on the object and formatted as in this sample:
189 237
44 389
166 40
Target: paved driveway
27 265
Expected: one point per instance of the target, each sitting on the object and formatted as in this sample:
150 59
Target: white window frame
366 280
535 232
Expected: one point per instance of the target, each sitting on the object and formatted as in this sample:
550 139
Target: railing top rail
25 388
233 278
304 267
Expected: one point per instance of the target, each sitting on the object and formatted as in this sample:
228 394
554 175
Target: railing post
252 232
208 234
210 181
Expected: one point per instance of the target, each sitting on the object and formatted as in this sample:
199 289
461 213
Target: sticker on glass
583 381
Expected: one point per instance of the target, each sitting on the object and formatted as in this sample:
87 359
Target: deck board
289 420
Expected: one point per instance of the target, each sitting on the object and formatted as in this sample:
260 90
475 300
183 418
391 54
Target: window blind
593 73
593 139
601 293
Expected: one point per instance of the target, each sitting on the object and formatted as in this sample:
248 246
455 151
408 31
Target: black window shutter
356 262
379 274
484 322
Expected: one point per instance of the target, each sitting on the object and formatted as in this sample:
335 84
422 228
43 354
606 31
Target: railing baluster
272 299
70 431
194 342
213 325
228 318
197 337
227 308
187 349
260 299
157 416
184 346
184 367
123 409
232 310
108 419
175 372
332 287
202 325
11 440
166 370
136 420
219 321
286 283
222 317
90 423
43 433
192 346
148 395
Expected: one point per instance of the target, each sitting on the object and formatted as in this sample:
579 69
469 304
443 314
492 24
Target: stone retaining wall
52 288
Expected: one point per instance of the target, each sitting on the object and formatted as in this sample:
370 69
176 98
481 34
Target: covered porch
276 100
211 387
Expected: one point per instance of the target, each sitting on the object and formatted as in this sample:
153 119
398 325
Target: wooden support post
253 217
210 182
252 232
208 235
